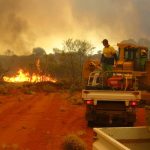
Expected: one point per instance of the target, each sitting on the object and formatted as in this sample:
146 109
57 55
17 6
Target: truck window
130 53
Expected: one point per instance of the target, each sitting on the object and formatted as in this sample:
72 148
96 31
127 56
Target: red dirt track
40 121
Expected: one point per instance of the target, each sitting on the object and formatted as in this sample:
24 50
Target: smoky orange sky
26 24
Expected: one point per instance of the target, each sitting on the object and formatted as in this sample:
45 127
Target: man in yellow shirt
109 56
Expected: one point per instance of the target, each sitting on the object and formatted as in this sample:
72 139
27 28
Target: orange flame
26 77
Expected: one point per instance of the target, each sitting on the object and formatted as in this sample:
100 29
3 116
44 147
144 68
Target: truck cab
132 57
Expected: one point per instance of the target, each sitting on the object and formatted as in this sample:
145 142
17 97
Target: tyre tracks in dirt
19 120
41 121
13 110
63 118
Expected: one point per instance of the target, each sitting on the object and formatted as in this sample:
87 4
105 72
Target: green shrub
76 101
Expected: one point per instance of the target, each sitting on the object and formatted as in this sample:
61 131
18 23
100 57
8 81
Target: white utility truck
110 107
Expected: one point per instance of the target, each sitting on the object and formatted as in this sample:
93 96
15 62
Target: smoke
114 19
14 30
25 24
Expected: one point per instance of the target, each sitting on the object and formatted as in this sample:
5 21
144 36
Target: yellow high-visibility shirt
109 51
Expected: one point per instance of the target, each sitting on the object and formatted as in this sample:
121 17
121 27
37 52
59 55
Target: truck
111 108
112 100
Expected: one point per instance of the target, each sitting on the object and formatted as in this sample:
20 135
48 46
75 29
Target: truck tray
122 138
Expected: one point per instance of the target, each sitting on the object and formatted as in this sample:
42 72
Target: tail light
133 103
89 102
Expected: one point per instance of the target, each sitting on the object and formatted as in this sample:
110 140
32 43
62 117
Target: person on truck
109 57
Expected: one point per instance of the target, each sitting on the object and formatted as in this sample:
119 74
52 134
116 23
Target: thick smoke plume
51 22
14 30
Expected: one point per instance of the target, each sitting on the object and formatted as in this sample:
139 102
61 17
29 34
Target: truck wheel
130 124
90 124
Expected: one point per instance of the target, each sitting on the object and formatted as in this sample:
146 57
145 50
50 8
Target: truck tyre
130 124
90 124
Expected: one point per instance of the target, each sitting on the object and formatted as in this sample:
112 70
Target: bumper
116 118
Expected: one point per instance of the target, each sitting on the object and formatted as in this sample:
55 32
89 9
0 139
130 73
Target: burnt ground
41 120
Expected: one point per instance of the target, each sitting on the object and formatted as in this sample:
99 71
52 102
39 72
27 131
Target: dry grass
76 101
73 142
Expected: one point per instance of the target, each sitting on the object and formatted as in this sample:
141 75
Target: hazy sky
26 24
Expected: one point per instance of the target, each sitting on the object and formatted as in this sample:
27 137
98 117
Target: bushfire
26 77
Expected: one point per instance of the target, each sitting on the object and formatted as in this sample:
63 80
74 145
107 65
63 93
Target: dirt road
41 121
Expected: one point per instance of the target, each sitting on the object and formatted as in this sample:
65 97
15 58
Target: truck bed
122 138
111 95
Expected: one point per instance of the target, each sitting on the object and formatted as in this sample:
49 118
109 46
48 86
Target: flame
26 77
37 63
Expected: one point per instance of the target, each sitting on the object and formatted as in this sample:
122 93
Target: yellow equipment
132 65
90 66
134 58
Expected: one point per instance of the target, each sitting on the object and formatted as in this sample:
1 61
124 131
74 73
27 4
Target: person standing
109 57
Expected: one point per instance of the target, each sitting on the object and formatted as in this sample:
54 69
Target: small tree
40 55
9 52
38 51
76 51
